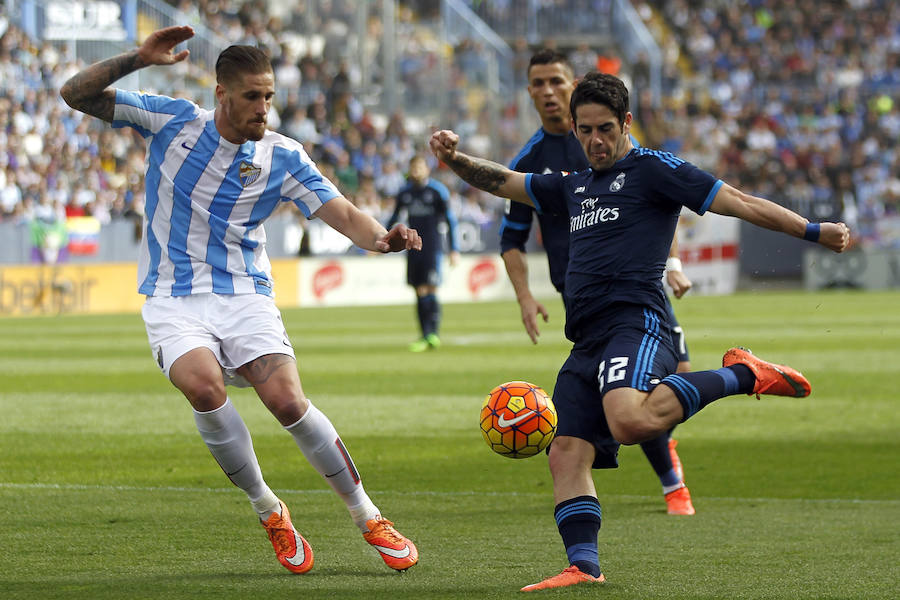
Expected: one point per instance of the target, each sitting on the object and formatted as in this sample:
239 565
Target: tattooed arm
89 91
479 172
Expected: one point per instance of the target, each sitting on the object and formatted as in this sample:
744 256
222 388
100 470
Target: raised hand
157 48
443 144
834 236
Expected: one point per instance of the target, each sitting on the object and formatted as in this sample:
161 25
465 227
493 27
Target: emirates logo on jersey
248 173
592 213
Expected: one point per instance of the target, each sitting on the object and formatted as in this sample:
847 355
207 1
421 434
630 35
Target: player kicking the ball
619 383
212 178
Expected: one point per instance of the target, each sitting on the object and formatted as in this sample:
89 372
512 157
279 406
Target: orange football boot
778 380
679 502
291 549
571 575
397 551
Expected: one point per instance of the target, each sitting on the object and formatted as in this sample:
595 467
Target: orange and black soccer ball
518 419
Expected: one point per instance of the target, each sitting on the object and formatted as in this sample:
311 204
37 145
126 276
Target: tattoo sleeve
478 172
89 91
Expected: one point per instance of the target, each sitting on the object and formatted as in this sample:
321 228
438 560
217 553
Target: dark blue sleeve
398 206
686 185
515 226
547 192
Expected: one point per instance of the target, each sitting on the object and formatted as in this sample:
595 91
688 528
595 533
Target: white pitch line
134 488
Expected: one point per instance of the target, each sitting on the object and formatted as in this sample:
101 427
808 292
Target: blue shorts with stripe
631 346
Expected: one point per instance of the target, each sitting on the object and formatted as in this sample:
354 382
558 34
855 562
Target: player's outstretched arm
366 232
88 90
484 174
732 202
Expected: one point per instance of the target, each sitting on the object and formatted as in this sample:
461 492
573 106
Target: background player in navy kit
424 204
554 148
622 218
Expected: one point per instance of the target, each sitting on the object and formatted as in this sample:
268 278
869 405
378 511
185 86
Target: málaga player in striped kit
213 177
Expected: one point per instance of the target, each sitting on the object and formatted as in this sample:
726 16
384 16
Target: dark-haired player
213 177
424 204
622 217
552 149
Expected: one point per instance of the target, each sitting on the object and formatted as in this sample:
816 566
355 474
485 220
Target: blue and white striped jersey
206 198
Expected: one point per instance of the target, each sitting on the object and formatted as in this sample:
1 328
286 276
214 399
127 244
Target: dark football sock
431 314
657 452
697 389
578 520
421 313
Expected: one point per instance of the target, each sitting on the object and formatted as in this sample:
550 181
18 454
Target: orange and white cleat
679 502
676 462
398 552
571 575
293 552
778 380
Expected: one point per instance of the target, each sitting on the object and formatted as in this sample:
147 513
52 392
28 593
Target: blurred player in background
552 149
622 217
424 204
212 178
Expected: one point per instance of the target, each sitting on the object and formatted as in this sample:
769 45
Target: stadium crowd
794 101
797 101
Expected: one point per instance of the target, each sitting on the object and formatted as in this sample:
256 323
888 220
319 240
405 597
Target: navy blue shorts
423 268
678 336
634 348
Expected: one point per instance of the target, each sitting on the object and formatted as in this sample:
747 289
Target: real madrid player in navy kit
619 383
213 177
554 148
424 204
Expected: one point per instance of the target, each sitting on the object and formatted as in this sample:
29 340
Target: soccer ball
518 419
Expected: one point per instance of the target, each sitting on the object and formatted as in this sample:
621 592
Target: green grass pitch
106 490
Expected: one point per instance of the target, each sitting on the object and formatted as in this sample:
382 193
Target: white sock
323 448
668 489
229 441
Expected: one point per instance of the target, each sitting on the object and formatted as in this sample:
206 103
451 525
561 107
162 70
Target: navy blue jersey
424 207
544 153
621 225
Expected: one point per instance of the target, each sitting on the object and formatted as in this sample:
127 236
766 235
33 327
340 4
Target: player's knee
204 394
629 431
288 407
567 453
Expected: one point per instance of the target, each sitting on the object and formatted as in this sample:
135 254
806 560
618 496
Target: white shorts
236 328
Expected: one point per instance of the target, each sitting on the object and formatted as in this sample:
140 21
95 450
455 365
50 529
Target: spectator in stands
583 58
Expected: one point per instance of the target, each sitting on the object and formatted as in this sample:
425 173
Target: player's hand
399 238
443 144
531 308
834 236
157 48
679 282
